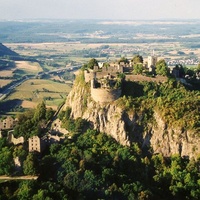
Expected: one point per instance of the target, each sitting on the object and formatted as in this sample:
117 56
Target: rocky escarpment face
105 117
169 140
124 126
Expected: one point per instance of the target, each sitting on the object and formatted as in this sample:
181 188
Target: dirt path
18 177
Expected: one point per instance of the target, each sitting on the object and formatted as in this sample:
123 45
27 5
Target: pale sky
99 9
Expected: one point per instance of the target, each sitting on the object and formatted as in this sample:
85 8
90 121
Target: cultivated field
4 82
21 68
45 49
70 51
34 91
27 67
6 73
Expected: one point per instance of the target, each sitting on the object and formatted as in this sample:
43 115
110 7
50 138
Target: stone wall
12 139
139 77
113 69
89 75
102 95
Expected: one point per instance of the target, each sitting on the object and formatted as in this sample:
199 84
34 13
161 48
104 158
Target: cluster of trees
161 67
8 152
32 122
5 64
123 60
179 106
138 68
93 165
11 106
74 126
6 158
90 65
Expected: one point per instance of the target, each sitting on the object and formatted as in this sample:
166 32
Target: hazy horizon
99 10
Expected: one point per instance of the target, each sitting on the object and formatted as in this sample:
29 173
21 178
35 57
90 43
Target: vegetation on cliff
176 105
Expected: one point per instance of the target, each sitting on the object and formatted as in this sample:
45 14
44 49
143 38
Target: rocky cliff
170 140
105 117
125 126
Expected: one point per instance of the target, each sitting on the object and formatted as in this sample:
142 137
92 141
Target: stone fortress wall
96 73
89 75
102 94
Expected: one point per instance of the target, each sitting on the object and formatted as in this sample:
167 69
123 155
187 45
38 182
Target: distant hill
5 51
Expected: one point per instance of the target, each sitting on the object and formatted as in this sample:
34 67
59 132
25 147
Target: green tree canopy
6 161
40 112
49 113
106 64
137 59
92 62
123 59
161 68
137 68
29 165
25 190
198 67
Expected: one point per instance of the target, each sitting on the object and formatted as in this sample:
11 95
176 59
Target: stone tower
152 60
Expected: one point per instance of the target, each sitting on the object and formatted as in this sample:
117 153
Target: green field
35 90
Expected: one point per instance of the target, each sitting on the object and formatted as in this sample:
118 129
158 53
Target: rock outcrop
105 117
169 140
125 126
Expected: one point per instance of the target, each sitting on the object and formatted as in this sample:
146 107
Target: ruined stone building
36 144
8 123
12 139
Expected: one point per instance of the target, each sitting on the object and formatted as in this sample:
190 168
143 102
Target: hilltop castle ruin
105 82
